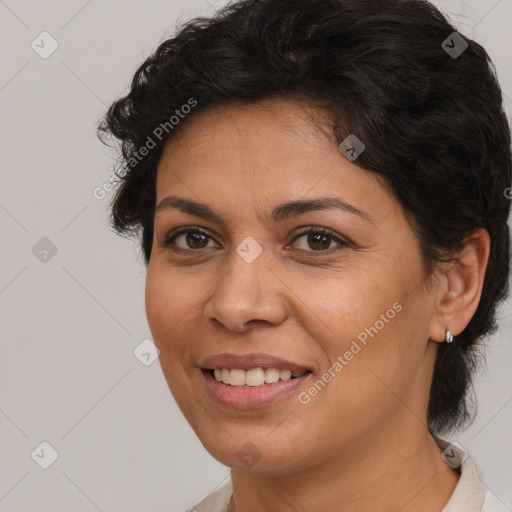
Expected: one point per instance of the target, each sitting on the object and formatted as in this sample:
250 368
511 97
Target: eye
195 239
192 239
319 240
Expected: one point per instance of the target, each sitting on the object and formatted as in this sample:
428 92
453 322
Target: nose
247 294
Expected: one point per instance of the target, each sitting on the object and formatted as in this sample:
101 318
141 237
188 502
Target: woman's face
349 305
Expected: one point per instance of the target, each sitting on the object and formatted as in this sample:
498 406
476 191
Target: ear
460 287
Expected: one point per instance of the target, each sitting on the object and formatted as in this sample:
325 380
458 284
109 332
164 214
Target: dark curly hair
432 122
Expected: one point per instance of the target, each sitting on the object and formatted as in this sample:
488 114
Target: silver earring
449 336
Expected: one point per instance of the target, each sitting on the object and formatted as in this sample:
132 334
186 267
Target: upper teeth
254 377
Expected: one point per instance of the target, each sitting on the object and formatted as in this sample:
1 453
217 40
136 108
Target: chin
255 453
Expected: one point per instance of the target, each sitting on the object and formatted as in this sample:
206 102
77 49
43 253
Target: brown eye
319 240
196 240
190 239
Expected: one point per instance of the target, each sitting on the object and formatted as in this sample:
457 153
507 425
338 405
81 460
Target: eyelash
168 242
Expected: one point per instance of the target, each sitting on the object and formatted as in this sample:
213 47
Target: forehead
275 149
270 126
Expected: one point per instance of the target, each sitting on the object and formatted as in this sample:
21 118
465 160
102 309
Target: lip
249 361
245 397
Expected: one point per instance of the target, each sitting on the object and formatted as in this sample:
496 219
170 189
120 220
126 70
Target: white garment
218 501
470 494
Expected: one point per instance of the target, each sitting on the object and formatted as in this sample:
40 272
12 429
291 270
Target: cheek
167 297
173 314
366 332
168 322
341 310
166 308
157 304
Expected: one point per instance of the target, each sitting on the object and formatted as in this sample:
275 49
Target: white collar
469 494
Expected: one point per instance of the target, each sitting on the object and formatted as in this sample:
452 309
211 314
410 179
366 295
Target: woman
320 187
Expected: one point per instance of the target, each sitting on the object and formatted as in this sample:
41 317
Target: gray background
69 325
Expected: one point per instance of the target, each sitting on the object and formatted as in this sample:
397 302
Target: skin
362 442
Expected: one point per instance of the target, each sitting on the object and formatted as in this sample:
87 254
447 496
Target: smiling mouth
254 377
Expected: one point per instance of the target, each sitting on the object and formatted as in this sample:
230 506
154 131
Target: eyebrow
279 212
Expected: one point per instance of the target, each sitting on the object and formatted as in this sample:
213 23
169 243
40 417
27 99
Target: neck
384 472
